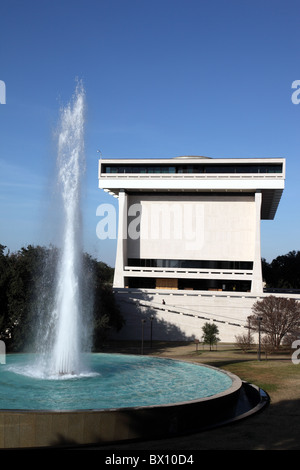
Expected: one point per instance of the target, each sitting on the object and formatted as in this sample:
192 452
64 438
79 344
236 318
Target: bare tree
244 342
267 345
276 317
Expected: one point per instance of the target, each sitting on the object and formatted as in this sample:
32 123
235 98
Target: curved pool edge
44 429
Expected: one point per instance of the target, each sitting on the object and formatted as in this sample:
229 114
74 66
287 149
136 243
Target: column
121 255
257 282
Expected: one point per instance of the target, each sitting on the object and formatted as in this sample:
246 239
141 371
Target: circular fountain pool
115 398
108 381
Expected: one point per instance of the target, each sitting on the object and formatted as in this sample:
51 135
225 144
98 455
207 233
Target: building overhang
271 185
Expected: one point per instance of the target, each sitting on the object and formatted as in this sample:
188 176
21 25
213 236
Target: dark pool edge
254 393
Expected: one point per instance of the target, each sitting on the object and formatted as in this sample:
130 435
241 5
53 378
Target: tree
277 317
267 345
31 274
283 272
106 314
210 332
27 294
244 342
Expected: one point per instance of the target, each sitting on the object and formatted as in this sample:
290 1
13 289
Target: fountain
65 396
65 359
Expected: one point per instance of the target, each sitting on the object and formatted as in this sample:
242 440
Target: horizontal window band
188 264
188 284
193 168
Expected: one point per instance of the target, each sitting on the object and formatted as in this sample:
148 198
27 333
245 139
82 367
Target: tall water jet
66 317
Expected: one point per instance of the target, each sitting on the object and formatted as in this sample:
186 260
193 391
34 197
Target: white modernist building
188 248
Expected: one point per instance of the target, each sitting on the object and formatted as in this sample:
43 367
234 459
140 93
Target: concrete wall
193 227
184 313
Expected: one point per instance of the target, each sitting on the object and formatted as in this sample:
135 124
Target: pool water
108 381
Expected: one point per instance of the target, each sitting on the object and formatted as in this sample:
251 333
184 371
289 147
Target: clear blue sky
163 78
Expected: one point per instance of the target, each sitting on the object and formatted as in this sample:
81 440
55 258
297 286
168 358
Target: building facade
189 237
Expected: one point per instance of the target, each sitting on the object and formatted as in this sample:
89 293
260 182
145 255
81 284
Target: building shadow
146 319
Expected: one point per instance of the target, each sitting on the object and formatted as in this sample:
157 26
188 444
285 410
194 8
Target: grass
272 374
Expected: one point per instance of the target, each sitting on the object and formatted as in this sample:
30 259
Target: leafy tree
210 332
27 288
26 271
283 272
106 314
277 317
